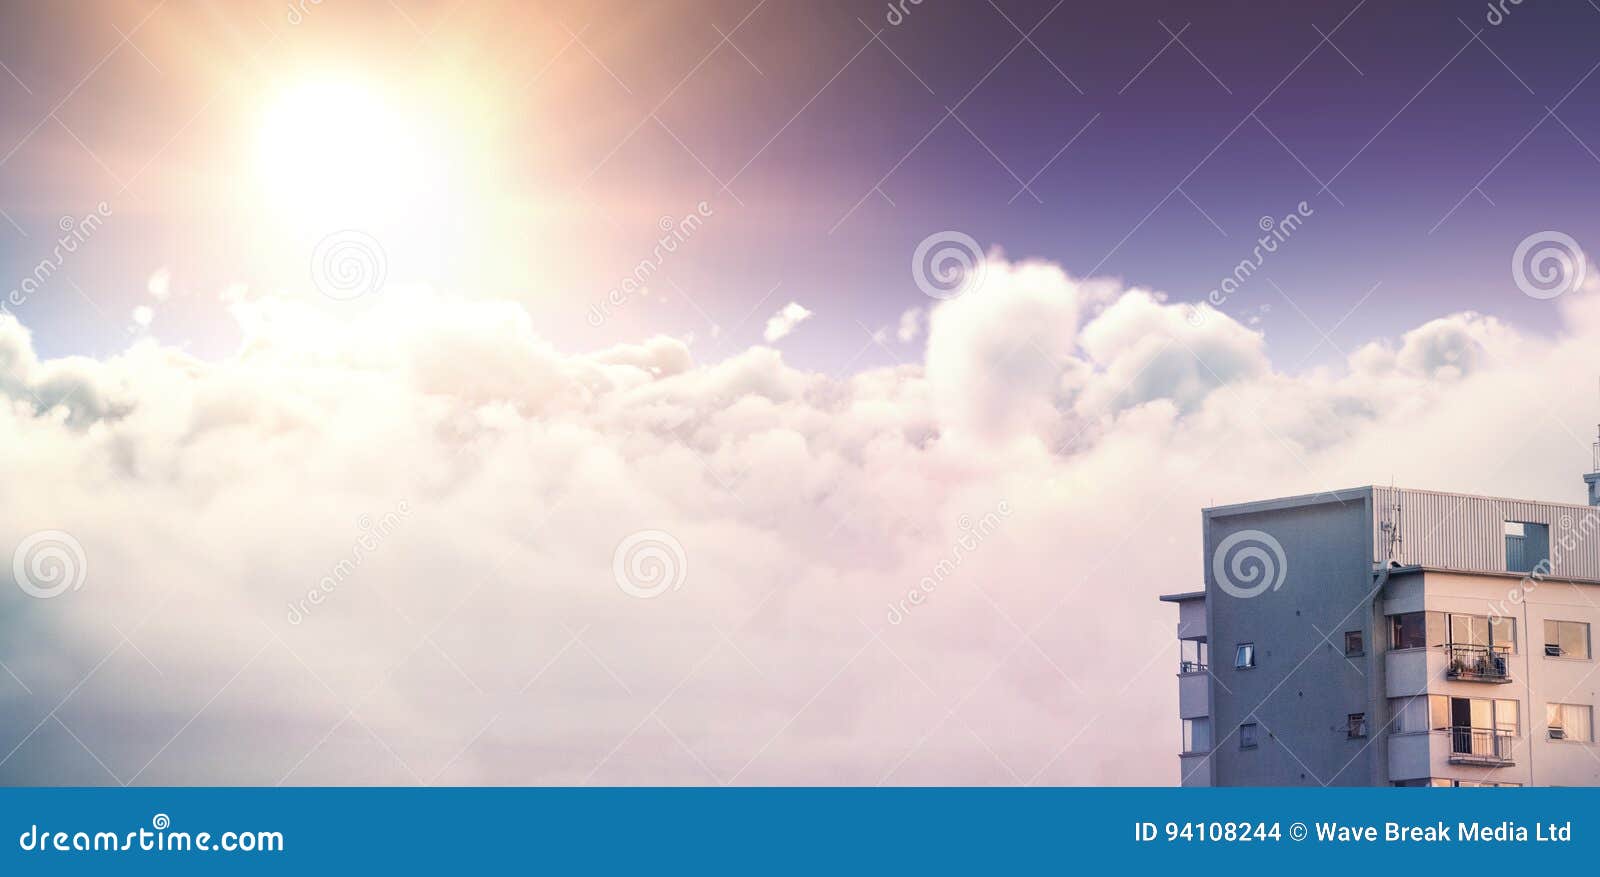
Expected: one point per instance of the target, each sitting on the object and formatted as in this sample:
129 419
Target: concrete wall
1192 619
1194 695
1302 688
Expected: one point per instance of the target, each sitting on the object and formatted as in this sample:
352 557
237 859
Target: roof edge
1349 494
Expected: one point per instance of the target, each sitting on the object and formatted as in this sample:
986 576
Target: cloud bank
385 549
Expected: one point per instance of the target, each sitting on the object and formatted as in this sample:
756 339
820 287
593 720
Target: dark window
1409 630
1353 643
1527 546
1244 657
1247 735
1357 725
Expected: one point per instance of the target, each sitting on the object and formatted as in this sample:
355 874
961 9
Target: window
1244 656
1505 717
1527 546
1247 735
1353 644
1570 721
1196 735
1478 631
1411 716
1357 725
1481 729
1477 713
1503 633
1416 630
1194 656
1566 639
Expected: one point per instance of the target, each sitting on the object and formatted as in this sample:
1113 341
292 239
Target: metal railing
1480 663
1192 667
1480 745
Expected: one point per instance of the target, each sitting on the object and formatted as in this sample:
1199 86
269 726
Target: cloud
160 284
385 550
779 325
910 325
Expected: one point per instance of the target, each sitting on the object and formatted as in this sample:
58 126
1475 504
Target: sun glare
336 152
403 162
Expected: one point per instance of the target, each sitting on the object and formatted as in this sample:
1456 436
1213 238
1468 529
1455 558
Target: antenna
1592 480
1391 527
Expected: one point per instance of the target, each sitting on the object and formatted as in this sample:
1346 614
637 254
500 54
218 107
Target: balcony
1481 746
1479 663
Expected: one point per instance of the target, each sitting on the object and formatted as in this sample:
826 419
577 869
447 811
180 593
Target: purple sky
827 155
333 332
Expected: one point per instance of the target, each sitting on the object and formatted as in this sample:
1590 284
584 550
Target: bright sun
408 161
337 153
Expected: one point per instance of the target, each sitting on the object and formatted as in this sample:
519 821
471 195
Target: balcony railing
1480 663
1480 746
1191 667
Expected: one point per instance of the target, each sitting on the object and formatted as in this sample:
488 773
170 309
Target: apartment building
1382 636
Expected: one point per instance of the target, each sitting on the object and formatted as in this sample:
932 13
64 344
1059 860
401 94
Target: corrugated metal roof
1468 533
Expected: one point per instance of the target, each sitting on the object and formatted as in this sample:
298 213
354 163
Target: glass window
1473 712
1196 735
1247 735
1569 721
1194 656
1480 712
1244 657
1503 633
1438 712
1353 643
1566 639
1411 716
1469 630
1505 717
1357 723
1408 630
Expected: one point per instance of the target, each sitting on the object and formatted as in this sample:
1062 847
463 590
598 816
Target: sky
601 370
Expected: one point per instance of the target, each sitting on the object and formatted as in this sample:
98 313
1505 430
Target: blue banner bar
812 831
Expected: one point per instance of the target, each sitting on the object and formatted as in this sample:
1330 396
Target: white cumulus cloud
386 549
779 325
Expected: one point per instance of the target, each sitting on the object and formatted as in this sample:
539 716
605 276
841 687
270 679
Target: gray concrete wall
1302 688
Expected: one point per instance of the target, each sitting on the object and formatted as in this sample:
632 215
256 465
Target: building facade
1381 636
